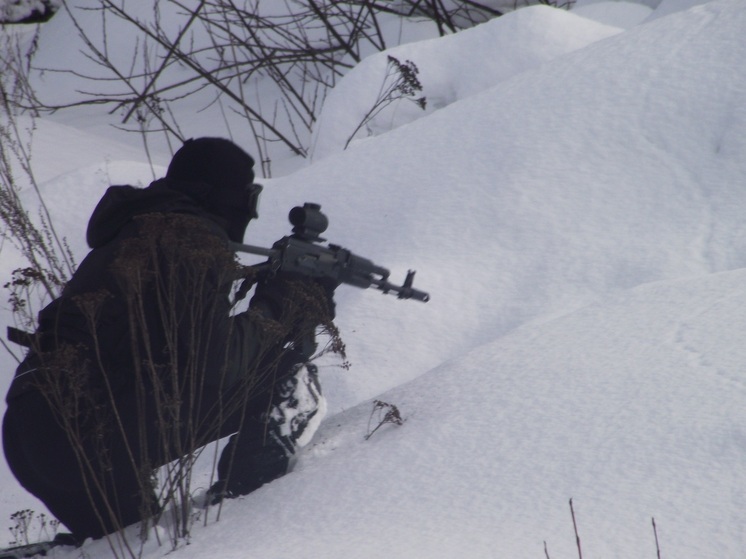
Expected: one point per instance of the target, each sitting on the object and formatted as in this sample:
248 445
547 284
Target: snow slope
609 167
505 47
578 223
633 407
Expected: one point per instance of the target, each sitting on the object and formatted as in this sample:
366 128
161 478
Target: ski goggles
252 193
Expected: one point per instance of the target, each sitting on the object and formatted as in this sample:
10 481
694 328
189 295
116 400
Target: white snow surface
573 200
620 14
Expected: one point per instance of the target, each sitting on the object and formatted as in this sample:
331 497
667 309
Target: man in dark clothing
140 362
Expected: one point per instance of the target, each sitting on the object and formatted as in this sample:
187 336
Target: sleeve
233 349
179 273
223 349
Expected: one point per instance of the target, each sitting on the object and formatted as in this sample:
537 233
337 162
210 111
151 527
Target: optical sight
309 222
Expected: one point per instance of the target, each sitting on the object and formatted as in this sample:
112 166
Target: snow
620 14
572 200
19 10
511 44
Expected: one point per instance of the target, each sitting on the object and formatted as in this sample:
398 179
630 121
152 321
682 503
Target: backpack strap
20 337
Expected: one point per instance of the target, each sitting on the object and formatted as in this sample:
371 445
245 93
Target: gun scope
308 221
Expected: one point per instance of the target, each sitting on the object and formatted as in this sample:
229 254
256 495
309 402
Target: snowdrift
579 225
612 166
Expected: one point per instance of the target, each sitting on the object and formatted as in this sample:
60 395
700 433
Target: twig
575 525
657 546
400 82
392 415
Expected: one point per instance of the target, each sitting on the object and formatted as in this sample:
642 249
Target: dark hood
120 204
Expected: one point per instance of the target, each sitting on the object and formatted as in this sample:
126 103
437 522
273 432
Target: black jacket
151 299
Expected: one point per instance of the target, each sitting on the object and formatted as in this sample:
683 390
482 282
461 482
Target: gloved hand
327 287
297 298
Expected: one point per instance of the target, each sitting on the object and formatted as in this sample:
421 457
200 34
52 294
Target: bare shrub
48 260
400 82
384 413
267 68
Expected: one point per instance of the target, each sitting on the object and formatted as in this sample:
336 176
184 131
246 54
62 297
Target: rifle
302 253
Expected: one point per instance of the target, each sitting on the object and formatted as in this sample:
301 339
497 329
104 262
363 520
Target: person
141 361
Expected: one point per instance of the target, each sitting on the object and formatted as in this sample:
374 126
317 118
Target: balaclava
219 176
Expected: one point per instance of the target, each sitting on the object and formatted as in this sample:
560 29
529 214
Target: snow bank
620 14
615 165
451 68
579 226
632 407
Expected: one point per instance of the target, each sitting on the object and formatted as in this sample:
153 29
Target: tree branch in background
218 51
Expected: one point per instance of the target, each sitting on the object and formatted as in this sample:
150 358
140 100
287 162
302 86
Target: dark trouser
98 481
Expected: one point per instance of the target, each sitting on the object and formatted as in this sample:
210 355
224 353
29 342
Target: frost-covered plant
399 82
384 413
27 521
48 260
